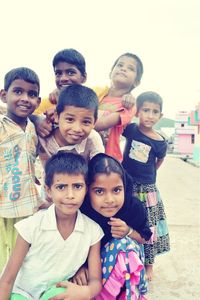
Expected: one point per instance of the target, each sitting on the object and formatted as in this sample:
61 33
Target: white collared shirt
51 258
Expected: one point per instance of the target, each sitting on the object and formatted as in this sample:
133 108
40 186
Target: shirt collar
49 220
80 148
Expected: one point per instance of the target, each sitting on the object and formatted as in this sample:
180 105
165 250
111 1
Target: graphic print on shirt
139 151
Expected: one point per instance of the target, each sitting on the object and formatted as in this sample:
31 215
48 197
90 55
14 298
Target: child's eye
132 69
78 186
87 122
117 190
61 187
32 94
69 120
71 72
98 191
58 73
18 91
119 65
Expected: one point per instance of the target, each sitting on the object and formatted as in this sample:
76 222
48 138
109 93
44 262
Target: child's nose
109 198
77 126
70 193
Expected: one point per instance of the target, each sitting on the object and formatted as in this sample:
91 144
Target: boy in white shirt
54 243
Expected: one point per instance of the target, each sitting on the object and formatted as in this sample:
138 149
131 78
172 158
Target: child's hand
119 228
50 115
81 277
73 292
128 101
43 127
53 96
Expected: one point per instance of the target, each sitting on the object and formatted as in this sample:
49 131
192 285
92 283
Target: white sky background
165 34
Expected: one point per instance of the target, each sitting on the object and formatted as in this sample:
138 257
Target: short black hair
78 96
71 56
149 96
23 73
140 68
65 163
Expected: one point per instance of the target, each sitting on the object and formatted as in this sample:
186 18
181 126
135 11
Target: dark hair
70 56
149 97
138 61
23 73
78 96
65 163
103 164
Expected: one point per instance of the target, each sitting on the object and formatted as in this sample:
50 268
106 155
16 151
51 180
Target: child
122 218
125 75
18 141
69 68
143 154
48 244
76 114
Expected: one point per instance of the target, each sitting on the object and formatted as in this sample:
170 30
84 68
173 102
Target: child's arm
16 259
159 162
106 122
120 229
86 292
43 125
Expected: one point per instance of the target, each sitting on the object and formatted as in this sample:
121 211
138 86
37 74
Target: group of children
104 221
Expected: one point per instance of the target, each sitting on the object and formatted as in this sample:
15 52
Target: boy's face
21 98
149 114
125 72
75 124
67 74
67 192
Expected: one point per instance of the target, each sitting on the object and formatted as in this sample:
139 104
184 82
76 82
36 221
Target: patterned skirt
159 242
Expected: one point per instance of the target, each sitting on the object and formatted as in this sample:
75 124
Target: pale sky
165 34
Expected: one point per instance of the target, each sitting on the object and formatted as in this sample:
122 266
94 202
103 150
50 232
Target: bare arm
16 259
106 122
85 292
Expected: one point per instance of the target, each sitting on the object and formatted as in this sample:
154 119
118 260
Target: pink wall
184 144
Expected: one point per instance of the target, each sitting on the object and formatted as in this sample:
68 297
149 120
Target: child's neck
65 225
150 132
115 91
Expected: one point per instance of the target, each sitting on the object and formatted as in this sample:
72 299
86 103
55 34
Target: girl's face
107 194
125 72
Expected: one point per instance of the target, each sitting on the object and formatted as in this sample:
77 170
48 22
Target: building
185 134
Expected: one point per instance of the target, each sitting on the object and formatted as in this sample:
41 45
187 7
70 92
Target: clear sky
165 34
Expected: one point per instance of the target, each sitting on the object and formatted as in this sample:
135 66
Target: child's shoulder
88 222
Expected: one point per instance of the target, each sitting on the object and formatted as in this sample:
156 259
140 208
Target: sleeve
127 130
96 143
96 232
139 220
162 150
27 227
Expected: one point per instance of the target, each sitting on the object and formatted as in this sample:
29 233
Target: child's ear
3 95
56 116
38 101
84 78
161 115
48 191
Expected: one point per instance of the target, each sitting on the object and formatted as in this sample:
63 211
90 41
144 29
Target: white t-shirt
50 258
